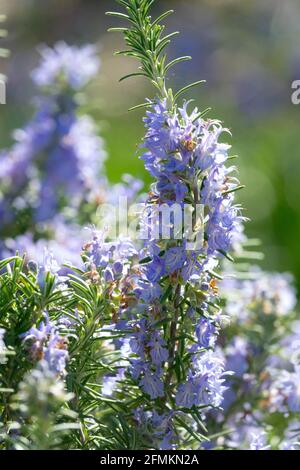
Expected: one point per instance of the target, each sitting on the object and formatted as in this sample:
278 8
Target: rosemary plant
177 316
130 349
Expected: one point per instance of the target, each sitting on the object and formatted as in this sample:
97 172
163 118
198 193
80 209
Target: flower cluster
45 344
188 170
185 156
156 428
35 182
63 239
171 305
204 385
283 374
262 348
108 261
41 206
273 293
66 65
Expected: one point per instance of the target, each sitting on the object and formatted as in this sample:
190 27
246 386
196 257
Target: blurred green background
247 50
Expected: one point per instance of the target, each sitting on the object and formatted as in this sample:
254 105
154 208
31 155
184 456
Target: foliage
136 346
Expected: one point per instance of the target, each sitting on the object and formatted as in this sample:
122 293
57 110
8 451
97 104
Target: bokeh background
247 50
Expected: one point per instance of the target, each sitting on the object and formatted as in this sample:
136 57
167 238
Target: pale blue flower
152 384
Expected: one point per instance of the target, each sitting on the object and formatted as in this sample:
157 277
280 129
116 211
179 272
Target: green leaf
143 105
6 261
216 275
188 87
203 113
117 30
162 17
233 190
227 255
118 15
166 294
199 437
146 260
177 61
130 75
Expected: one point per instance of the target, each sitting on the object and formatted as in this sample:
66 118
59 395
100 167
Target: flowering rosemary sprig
177 317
